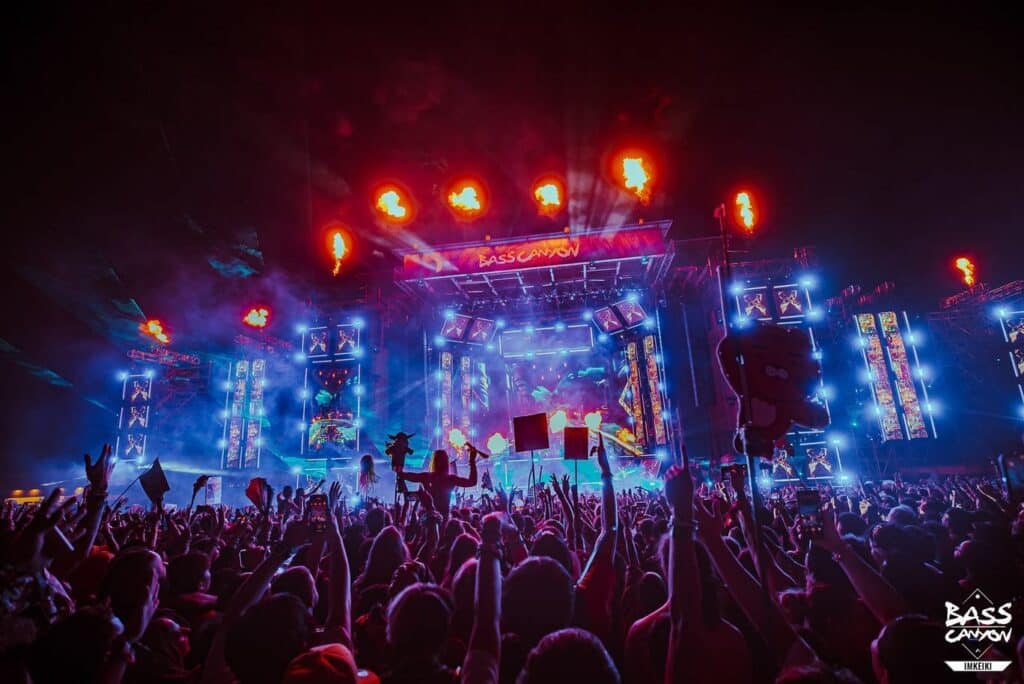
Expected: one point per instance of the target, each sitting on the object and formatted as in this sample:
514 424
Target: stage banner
539 252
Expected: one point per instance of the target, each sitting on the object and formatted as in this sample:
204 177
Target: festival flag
154 482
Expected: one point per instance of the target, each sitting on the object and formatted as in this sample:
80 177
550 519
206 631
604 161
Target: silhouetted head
569 655
439 462
537 599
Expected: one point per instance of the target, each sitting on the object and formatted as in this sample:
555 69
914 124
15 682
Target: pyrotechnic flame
636 176
966 266
155 329
548 196
457 438
339 250
558 421
390 204
593 420
257 318
746 210
626 436
497 444
465 200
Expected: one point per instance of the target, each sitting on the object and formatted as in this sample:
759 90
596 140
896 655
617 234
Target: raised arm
215 668
469 481
605 545
748 594
884 602
339 590
484 653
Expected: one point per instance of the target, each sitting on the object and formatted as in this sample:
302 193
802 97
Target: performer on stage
439 482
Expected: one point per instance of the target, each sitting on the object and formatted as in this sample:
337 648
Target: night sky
181 160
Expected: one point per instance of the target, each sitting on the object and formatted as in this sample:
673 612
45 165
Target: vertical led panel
134 417
447 383
254 428
877 368
903 376
236 419
635 400
654 385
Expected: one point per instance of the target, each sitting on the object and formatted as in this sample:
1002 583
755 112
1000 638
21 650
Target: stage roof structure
555 267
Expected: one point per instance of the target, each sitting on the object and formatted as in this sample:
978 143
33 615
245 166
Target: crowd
686 584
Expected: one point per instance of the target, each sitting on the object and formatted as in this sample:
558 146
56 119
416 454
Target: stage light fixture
148 373
500 323
736 289
122 376
632 298
221 443
359 390
301 328
662 454
649 324
1002 312
843 477
449 314
528 330
358 323
602 337
358 353
808 281
296 470
816 355
224 414
439 341
588 315
299 357
559 327
815 315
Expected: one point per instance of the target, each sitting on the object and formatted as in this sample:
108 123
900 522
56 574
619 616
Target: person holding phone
440 482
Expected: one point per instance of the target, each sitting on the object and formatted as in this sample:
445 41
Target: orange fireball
745 211
966 266
549 193
467 199
393 204
257 318
637 176
155 329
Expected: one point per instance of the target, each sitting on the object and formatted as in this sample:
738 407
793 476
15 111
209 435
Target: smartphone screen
808 504
318 512
1012 469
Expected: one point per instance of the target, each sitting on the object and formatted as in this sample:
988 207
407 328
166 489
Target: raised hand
25 551
565 485
679 491
98 473
709 515
333 496
829 538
